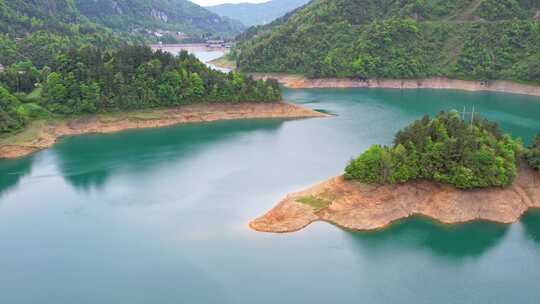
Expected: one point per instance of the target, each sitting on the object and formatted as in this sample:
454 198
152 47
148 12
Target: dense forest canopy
10 118
40 29
468 39
446 149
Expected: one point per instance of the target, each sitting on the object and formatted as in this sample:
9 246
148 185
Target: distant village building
182 36
1 68
215 43
174 34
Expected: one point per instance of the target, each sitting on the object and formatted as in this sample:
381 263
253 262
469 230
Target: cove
160 215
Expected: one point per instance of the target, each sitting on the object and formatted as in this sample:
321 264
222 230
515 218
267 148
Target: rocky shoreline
301 82
361 207
49 132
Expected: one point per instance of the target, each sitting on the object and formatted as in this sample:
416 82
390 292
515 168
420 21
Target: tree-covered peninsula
446 149
88 80
63 74
367 39
54 61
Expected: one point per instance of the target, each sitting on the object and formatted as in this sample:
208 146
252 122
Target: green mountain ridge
37 30
141 16
467 39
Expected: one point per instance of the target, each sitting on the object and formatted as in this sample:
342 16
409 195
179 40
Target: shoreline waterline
501 86
49 132
356 206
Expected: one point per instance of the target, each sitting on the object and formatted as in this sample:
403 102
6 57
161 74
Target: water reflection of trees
11 172
453 242
87 162
531 222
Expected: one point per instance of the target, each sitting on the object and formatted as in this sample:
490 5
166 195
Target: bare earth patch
361 207
224 62
43 134
300 82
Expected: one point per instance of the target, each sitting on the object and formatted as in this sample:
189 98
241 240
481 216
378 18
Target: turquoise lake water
160 215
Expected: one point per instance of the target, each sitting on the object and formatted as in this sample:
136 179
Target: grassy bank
226 62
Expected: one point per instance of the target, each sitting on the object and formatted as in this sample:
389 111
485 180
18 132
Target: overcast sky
214 2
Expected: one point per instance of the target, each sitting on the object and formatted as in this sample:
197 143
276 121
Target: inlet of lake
160 215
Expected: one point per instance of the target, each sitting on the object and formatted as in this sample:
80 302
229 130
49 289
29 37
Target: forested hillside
257 13
143 17
38 30
467 39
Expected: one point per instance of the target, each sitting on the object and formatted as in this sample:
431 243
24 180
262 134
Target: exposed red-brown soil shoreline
300 82
362 207
50 132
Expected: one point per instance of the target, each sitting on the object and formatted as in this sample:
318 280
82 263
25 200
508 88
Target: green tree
533 155
10 118
90 98
196 87
54 89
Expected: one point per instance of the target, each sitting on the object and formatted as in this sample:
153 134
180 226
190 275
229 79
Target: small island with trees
449 168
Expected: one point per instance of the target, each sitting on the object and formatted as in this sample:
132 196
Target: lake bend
160 215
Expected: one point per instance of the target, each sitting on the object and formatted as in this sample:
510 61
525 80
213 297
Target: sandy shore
223 63
361 207
300 82
43 135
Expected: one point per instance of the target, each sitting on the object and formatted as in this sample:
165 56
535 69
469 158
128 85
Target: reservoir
160 215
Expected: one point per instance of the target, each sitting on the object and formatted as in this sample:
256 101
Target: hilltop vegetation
466 39
139 16
445 149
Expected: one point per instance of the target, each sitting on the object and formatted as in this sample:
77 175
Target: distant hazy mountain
257 13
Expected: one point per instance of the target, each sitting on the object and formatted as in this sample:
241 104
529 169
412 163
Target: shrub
533 155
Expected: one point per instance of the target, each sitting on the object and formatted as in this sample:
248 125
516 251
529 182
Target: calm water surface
160 215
